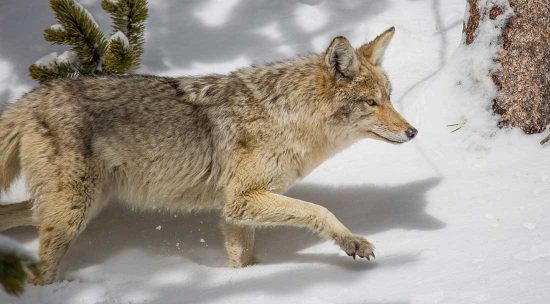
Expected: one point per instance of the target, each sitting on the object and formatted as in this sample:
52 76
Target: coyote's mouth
378 136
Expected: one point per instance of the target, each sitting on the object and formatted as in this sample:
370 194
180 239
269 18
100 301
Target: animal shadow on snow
365 209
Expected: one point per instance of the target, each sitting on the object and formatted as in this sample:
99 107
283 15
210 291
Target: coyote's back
135 134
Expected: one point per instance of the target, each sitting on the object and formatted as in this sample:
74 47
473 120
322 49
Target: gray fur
228 142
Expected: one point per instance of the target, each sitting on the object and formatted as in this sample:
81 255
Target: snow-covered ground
457 217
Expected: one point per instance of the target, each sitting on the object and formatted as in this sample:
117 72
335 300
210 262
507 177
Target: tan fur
9 148
14 215
239 242
228 142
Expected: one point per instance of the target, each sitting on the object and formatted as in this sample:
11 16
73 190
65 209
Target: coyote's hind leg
62 215
64 182
239 243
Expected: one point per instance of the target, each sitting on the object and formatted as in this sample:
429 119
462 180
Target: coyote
232 142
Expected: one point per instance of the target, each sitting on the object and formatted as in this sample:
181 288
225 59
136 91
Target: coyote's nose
411 132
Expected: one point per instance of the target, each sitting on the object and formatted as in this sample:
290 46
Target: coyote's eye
370 102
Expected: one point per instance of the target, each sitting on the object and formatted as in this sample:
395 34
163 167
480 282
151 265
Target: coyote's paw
39 280
243 262
357 245
42 278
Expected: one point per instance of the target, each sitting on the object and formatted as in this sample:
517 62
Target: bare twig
456 129
456 126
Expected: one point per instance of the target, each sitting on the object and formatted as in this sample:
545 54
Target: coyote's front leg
264 208
239 243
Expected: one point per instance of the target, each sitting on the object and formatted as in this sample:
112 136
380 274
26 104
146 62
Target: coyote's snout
388 125
229 142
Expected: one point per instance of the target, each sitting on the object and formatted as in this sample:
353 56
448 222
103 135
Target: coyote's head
359 91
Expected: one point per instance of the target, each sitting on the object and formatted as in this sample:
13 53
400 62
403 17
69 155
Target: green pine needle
119 58
95 53
57 36
128 17
82 34
58 70
14 271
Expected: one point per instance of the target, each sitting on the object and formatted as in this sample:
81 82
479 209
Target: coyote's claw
355 246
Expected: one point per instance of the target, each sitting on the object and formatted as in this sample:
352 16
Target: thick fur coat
233 143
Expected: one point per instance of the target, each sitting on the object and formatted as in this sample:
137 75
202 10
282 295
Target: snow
48 60
471 62
67 57
120 36
57 27
52 59
530 225
457 217
9 246
535 252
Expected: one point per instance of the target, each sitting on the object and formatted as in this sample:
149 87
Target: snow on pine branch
47 60
93 52
57 27
120 35
52 59
86 12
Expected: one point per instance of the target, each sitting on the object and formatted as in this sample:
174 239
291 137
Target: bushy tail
10 164
15 215
18 214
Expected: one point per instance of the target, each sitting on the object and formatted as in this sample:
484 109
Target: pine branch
119 57
128 17
91 52
58 70
15 266
12 274
80 31
56 34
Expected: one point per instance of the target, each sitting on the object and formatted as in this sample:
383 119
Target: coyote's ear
341 58
374 50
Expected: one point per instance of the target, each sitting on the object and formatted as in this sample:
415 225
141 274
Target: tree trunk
523 83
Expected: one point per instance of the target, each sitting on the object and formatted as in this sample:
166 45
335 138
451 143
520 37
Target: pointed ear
341 59
374 50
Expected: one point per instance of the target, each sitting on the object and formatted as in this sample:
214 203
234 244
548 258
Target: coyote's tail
10 164
15 215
